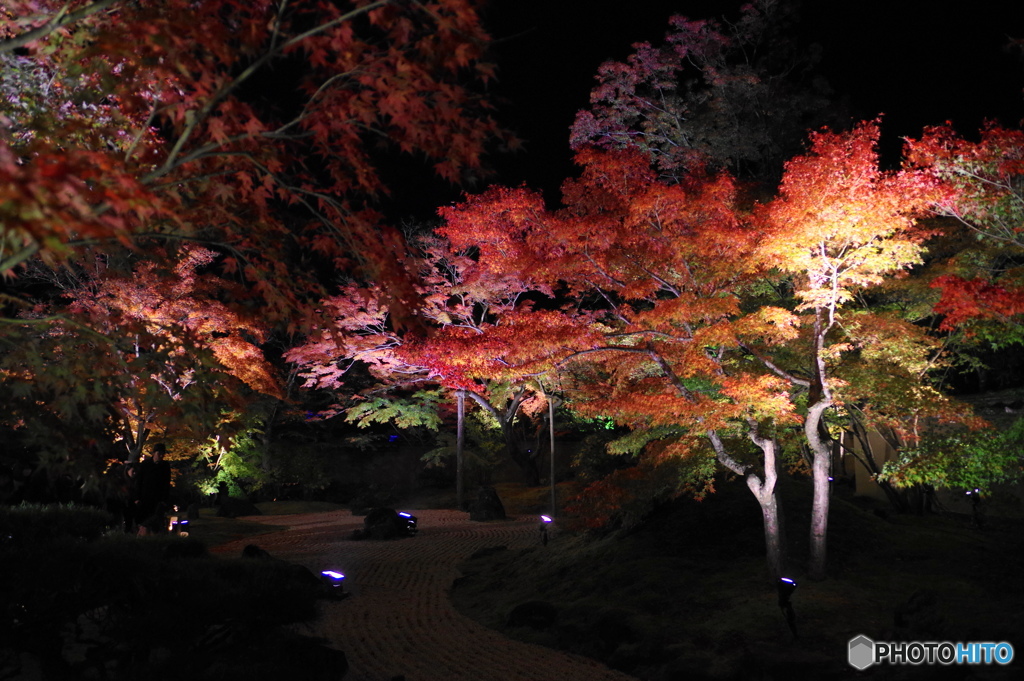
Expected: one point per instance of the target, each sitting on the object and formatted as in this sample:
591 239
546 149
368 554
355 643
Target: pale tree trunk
764 492
819 399
821 464
771 506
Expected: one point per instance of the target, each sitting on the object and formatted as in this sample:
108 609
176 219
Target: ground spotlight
410 522
177 525
335 581
544 522
786 587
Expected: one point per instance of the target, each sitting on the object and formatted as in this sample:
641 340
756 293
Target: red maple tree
983 290
170 355
839 225
479 343
252 126
651 275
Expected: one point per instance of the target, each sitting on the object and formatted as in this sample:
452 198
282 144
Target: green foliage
961 459
236 460
635 441
418 411
484 447
594 461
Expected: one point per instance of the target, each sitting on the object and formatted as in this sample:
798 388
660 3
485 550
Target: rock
384 523
186 547
299 573
487 506
253 551
533 614
232 507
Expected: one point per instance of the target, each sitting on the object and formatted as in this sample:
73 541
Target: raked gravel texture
399 619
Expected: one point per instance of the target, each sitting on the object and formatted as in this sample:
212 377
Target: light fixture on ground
786 587
544 522
410 522
335 582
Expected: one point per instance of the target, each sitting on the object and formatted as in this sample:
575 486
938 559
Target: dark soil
686 594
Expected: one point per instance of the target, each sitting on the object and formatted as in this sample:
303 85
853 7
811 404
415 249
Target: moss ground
686 594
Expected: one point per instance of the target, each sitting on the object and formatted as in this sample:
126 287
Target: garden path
399 619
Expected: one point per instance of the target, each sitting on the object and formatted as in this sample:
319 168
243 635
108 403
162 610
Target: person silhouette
154 489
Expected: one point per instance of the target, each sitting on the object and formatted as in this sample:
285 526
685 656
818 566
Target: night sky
904 58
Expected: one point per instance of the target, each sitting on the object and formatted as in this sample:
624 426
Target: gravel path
399 619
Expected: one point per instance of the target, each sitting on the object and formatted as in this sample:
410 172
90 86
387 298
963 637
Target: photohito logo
863 652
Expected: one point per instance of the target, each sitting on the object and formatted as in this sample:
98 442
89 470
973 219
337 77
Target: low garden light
544 522
410 522
334 579
786 587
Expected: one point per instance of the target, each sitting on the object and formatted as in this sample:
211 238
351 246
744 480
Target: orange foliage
840 223
206 118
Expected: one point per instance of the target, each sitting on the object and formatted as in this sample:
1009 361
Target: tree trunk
764 492
870 464
526 460
771 507
820 466
774 535
821 469
819 399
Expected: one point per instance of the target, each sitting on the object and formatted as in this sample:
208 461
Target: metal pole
551 426
460 398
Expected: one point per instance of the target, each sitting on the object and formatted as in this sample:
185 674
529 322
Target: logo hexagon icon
861 652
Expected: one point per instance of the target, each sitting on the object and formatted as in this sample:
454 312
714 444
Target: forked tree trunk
764 492
526 460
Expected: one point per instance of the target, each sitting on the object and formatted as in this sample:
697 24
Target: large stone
533 614
232 507
487 505
383 523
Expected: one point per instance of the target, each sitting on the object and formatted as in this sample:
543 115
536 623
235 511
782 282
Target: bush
45 522
126 607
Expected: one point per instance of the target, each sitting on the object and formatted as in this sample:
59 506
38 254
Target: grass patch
686 594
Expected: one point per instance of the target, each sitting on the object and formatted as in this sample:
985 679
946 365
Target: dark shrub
43 522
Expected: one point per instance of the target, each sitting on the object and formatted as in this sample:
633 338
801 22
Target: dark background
907 59
910 61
